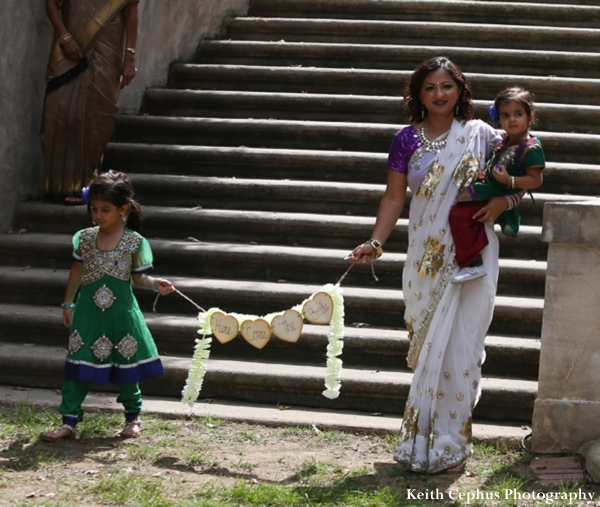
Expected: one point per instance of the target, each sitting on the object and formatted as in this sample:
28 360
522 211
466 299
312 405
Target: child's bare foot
63 432
132 428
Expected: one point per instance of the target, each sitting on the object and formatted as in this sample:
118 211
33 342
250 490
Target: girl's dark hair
516 94
116 188
413 89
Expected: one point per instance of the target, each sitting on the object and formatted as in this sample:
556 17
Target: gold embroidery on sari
467 430
431 180
409 327
466 171
419 337
433 258
433 434
409 429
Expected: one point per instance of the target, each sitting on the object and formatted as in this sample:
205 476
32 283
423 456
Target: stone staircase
268 154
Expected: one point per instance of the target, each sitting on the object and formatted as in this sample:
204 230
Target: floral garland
193 384
335 344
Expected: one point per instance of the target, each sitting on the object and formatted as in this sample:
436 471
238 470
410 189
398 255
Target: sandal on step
53 436
126 432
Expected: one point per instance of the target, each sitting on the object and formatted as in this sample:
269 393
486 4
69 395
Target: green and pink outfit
469 236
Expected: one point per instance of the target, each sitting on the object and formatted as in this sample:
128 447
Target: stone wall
567 409
169 31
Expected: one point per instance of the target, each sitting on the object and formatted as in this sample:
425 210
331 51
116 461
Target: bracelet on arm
68 305
510 201
65 38
144 281
376 245
155 283
74 290
131 50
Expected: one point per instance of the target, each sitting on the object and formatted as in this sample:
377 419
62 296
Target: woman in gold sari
91 60
436 157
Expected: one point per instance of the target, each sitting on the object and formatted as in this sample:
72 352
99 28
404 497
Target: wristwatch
376 244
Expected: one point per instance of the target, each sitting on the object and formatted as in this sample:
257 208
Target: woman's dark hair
413 89
516 94
116 188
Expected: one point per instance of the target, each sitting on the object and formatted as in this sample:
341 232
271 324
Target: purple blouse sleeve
403 146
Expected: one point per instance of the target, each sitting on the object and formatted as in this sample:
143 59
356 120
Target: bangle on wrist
376 245
155 283
510 201
65 38
74 290
131 50
68 305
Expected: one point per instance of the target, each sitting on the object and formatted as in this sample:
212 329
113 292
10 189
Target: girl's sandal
60 433
132 429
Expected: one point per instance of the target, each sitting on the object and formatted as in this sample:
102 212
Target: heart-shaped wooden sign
256 332
288 326
319 309
224 327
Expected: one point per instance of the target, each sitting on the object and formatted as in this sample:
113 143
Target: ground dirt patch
212 462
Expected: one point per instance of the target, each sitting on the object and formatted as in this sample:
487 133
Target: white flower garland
335 344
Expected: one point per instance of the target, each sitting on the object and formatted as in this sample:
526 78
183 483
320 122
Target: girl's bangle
155 283
74 290
510 201
68 306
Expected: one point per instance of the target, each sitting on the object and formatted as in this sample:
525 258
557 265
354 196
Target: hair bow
493 113
85 194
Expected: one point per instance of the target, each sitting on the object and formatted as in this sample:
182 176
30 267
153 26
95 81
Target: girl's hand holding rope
165 287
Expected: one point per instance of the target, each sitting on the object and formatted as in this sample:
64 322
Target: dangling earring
422 112
456 110
123 219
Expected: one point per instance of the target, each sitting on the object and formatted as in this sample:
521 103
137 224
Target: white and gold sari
447 323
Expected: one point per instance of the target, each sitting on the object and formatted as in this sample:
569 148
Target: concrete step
541 62
331 107
314 80
435 33
578 2
262 382
503 434
261 227
313 135
506 356
303 165
334 198
497 12
262 263
375 307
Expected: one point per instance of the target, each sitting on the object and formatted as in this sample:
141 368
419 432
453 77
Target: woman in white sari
437 156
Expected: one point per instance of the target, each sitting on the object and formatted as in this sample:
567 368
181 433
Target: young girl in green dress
109 340
516 165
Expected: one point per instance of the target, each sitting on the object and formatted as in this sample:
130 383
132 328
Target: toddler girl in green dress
109 340
515 166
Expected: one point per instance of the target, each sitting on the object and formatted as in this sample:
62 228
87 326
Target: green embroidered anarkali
109 339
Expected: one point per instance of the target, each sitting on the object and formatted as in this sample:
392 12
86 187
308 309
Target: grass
216 463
